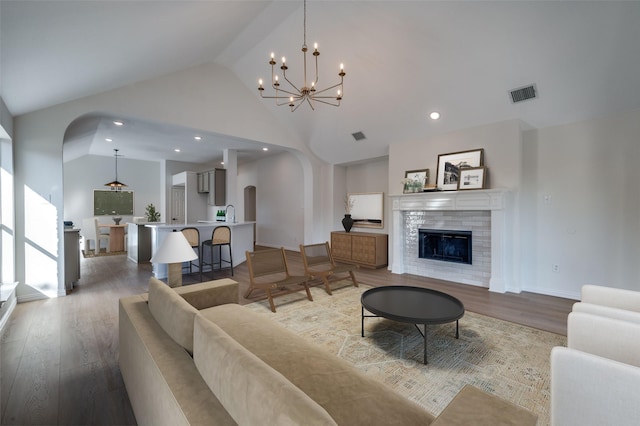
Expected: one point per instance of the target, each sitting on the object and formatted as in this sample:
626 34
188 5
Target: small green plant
152 214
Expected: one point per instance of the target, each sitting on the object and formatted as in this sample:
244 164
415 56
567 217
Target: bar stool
193 237
221 236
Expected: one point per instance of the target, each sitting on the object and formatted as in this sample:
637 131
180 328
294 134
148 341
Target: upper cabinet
203 182
217 187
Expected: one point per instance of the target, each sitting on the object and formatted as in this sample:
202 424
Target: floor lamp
174 250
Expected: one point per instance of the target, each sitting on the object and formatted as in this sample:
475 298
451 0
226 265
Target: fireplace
445 245
487 212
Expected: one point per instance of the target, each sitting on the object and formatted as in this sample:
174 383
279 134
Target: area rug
502 358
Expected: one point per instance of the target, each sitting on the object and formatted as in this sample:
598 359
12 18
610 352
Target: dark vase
347 222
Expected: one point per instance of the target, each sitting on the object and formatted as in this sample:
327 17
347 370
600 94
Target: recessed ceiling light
434 115
198 138
109 140
177 150
265 149
118 123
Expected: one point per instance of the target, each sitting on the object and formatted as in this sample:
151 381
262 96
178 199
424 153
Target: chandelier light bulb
273 55
276 78
315 46
284 60
260 82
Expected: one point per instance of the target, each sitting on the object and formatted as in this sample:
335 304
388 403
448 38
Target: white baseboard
31 297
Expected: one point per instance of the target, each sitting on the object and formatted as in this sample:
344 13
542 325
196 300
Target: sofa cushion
252 392
349 396
163 383
174 314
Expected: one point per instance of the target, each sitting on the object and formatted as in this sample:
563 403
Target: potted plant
152 214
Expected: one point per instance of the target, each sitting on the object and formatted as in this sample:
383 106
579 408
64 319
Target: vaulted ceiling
403 59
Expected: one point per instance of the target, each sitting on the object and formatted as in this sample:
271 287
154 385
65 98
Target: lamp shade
174 249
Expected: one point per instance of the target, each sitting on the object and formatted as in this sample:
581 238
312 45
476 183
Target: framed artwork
449 166
367 209
412 176
472 178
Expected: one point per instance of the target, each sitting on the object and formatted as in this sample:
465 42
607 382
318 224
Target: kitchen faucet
226 213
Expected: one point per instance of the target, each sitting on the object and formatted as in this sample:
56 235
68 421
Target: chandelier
295 96
115 184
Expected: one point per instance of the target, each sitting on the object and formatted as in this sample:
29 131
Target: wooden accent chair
318 263
268 270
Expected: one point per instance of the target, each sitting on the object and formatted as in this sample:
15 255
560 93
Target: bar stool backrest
221 235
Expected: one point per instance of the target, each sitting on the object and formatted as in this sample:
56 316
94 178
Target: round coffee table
412 305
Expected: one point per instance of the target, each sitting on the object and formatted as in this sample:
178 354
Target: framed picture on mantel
472 178
449 166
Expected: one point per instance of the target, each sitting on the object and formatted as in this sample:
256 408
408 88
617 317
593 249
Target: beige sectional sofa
193 356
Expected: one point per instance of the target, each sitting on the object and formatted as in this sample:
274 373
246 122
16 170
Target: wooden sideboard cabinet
362 248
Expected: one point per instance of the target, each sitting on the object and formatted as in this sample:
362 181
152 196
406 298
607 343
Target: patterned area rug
502 358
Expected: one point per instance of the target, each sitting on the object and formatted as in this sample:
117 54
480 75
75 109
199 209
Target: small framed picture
449 166
415 180
472 178
419 175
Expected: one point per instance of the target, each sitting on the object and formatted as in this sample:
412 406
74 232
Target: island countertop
241 239
199 224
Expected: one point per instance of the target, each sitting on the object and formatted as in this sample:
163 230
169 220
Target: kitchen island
241 240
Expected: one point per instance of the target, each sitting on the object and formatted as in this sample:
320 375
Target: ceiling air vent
523 93
358 136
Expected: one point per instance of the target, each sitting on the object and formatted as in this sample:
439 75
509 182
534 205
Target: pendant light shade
115 185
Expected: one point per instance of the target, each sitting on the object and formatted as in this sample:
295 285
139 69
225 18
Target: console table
362 248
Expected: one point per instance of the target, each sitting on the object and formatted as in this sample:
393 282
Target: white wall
279 201
502 154
372 176
7 231
206 97
590 226
83 175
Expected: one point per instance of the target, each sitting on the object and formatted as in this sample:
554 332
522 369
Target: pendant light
116 185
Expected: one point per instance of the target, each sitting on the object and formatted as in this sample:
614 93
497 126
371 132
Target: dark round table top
412 304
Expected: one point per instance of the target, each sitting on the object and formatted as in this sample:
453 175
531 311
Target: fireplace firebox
445 245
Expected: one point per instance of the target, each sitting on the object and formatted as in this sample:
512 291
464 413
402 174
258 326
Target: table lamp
174 250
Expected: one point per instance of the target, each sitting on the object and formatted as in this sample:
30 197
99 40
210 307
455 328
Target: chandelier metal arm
278 97
284 75
329 103
329 88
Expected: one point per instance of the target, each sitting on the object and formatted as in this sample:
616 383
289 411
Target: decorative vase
347 222
117 220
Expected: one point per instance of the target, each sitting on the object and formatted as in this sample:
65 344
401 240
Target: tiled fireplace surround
485 212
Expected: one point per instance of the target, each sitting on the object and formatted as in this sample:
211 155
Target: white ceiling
403 59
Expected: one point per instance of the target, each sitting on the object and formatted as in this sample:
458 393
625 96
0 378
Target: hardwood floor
59 360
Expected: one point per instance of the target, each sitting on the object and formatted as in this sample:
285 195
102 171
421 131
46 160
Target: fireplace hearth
445 245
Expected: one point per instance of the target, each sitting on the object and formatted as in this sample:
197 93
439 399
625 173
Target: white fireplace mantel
498 201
